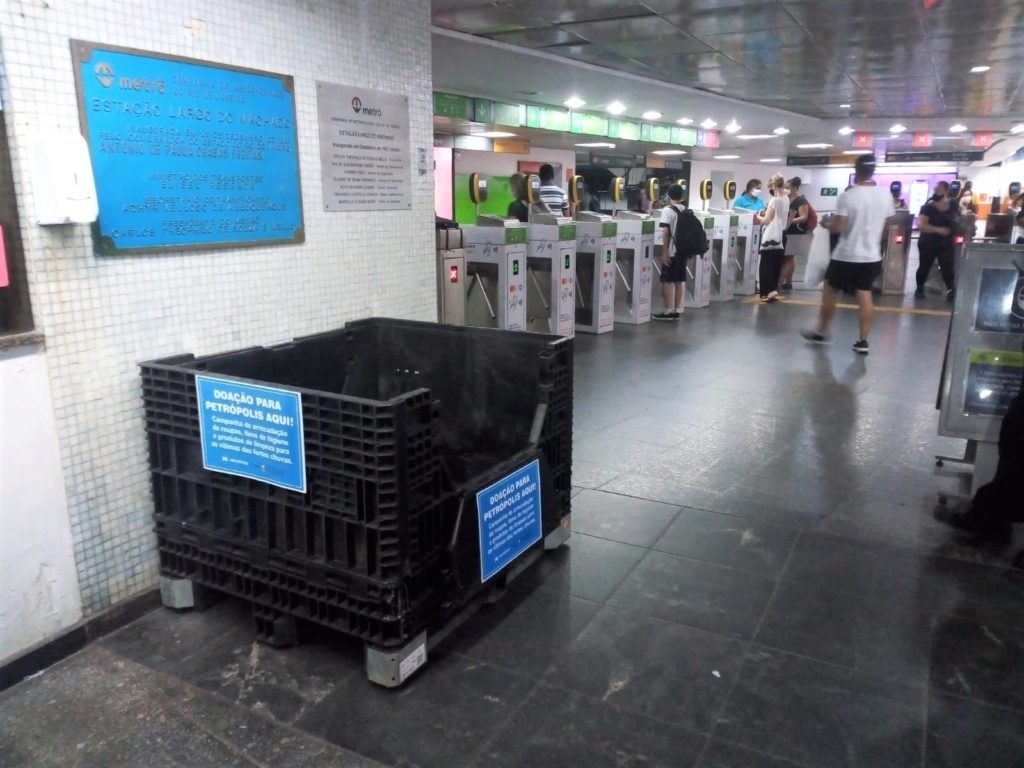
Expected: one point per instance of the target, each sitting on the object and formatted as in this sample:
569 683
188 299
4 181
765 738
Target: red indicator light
898 240
453 274
959 240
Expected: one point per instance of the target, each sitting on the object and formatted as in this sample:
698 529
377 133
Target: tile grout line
750 643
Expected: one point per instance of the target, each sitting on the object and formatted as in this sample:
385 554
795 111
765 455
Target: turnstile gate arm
622 275
536 284
483 292
579 294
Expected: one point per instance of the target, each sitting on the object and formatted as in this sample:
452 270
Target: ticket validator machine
698 283
550 269
895 255
451 277
747 253
721 262
495 267
596 236
634 263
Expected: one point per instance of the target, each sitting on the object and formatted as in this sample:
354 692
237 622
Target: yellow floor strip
843 305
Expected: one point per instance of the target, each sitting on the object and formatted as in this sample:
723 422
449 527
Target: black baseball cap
865 165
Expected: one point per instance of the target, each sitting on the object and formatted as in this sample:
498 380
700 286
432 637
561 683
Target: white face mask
755 193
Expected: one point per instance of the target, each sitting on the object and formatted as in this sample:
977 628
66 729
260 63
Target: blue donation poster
252 431
509 514
188 154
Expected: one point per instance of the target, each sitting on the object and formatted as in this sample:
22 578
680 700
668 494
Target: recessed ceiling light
898 128
616 108
685 121
1018 128
727 157
845 130
958 128
845 106
652 114
708 124
979 69
669 152
733 126
597 145
815 145
781 131
495 134
574 102
771 159
858 151
753 136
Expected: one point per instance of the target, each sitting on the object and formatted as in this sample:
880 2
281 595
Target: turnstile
895 255
747 253
451 277
496 273
634 256
551 275
596 236
722 257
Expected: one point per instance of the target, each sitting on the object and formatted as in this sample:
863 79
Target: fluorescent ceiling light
734 127
858 151
979 69
708 124
1018 128
753 136
771 159
574 102
597 145
616 108
845 106
845 130
685 121
495 134
816 145
781 131
958 128
652 114
727 157
898 128
669 152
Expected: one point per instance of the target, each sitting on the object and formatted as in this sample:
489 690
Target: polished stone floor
755 580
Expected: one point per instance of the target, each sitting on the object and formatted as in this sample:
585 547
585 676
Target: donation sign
252 431
509 513
1000 301
186 153
364 148
993 380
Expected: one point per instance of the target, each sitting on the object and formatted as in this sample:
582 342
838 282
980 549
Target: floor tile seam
502 726
974 700
258 714
772 576
756 751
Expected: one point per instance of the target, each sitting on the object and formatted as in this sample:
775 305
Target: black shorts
675 272
852 276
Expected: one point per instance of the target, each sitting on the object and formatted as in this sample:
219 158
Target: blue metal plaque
252 431
509 513
188 154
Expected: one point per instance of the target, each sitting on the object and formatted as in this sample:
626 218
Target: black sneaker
861 347
786 287
950 295
675 315
815 338
919 293
663 316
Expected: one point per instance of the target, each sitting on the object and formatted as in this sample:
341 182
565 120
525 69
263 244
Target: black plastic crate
401 421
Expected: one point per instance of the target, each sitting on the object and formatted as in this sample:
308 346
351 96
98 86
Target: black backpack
690 239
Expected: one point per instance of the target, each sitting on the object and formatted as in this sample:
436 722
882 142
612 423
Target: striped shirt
554 198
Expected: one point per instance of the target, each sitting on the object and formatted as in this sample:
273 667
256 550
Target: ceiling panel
909 61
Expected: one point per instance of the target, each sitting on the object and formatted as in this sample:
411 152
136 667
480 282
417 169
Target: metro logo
357 105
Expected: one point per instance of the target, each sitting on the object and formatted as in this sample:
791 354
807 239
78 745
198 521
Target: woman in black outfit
937 222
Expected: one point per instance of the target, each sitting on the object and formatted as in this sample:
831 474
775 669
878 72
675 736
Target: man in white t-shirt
673 269
550 193
862 213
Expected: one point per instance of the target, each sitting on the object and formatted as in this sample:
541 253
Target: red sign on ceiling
982 139
922 139
863 140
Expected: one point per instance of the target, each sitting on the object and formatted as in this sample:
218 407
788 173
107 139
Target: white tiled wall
101 315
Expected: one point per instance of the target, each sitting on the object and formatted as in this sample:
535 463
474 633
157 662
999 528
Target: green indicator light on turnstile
515 266
607 257
568 261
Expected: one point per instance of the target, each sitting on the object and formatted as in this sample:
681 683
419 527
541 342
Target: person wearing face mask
751 201
938 223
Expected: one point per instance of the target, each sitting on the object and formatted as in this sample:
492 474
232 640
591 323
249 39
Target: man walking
673 270
553 196
862 213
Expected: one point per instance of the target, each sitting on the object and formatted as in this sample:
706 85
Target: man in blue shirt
552 196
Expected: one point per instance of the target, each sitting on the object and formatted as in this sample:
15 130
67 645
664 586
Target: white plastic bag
818 258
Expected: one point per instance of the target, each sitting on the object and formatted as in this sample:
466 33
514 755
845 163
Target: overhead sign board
963 156
186 153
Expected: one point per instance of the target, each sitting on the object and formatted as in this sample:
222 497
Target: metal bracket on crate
392 667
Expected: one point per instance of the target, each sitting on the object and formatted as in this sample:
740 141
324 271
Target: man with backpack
682 236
